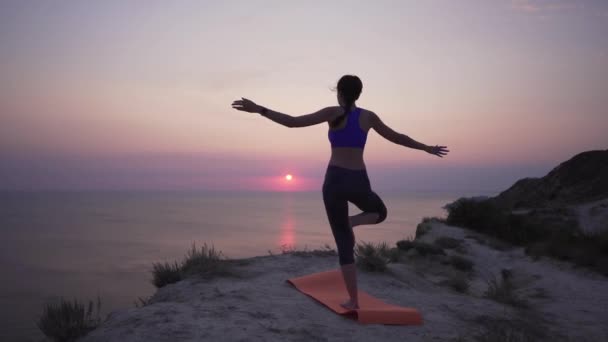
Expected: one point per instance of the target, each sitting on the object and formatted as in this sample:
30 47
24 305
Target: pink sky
117 95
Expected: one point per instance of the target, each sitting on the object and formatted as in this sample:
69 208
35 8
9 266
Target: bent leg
364 218
374 210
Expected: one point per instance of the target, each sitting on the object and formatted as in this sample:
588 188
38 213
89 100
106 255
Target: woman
346 178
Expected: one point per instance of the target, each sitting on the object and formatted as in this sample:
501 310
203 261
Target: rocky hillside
582 179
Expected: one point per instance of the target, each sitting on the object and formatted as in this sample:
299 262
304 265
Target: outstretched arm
403 140
323 115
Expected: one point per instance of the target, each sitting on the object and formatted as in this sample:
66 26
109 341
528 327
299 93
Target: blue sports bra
351 135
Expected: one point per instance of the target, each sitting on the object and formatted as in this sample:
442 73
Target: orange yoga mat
329 289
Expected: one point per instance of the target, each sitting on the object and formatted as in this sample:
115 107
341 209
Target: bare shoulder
334 109
368 113
333 112
367 119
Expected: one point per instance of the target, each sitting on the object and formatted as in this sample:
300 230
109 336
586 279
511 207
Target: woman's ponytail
349 88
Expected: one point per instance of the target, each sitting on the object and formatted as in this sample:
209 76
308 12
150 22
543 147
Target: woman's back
348 139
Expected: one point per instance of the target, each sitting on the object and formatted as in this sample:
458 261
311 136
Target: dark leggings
340 187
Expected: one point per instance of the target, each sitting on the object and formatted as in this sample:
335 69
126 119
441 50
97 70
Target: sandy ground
565 303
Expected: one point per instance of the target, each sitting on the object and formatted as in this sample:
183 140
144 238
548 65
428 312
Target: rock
583 178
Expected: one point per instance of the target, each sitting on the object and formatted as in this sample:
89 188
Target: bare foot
350 305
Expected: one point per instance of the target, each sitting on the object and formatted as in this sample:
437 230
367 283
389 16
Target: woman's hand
246 105
437 150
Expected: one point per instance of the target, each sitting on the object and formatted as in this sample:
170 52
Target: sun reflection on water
287 236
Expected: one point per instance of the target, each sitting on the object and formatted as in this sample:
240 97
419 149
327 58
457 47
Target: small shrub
446 242
371 258
425 226
325 251
602 240
461 249
422 228
165 274
207 261
142 301
422 248
602 266
540 293
428 219
503 290
461 263
68 321
586 257
405 245
511 329
394 254
458 282
499 245
425 249
522 229
582 250
479 239
479 215
383 249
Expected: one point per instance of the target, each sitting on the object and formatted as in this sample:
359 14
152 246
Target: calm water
84 244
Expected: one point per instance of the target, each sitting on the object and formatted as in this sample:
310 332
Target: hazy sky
136 94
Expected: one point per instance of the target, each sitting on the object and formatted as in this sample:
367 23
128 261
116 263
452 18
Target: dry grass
206 262
422 248
526 327
142 301
68 321
448 242
165 273
458 282
425 225
324 251
503 290
372 257
461 263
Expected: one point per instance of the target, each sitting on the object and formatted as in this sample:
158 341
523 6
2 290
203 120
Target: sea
88 244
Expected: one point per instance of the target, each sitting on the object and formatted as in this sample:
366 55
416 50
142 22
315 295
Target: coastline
556 300
89 244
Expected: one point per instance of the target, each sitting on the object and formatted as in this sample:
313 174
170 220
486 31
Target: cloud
544 6
524 6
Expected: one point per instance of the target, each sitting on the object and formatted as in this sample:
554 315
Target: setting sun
289 177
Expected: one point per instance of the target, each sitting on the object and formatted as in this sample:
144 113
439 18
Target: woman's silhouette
346 178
